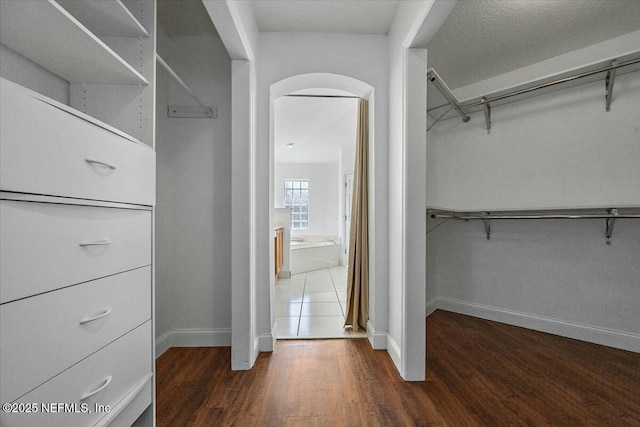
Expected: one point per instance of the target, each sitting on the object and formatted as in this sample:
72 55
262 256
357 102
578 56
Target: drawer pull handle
94 318
107 381
96 243
98 162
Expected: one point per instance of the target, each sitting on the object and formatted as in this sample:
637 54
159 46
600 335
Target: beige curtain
358 272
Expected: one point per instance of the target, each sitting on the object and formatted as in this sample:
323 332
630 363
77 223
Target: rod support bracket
610 222
609 81
487 226
442 87
487 114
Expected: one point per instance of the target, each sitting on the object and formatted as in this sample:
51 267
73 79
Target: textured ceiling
317 127
182 18
482 39
327 16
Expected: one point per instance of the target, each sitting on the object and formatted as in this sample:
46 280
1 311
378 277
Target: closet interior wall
559 150
193 217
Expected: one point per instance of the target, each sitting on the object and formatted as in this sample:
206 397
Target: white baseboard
201 337
284 274
432 305
256 349
267 341
163 343
396 354
609 337
193 338
378 340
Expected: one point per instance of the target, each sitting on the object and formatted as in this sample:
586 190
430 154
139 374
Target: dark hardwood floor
479 373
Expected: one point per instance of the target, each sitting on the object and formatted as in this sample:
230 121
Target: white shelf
9 85
46 33
199 111
105 17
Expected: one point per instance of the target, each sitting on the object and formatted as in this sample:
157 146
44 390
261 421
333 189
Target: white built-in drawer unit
77 190
47 150
71 324
46 246
108 377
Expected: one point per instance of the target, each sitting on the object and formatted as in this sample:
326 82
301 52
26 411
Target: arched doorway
318 83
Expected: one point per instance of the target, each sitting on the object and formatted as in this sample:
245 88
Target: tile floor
312 305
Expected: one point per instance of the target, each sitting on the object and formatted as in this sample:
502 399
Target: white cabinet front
45 150
91 389
43 335
48 246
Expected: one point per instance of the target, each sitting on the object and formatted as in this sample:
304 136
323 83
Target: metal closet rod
610 67
610 218
549 216
322 96
487 99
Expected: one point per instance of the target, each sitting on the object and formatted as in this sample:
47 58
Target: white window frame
299 206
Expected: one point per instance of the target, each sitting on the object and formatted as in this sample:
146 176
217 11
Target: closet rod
610 218
550 216
488 98
178 79
325 96
610 67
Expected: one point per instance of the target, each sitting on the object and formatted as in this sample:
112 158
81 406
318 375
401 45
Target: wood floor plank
479 373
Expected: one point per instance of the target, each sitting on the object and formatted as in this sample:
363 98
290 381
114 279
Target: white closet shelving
186 111
105 17
47 34
77 190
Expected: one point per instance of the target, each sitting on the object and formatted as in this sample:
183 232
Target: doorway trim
360 89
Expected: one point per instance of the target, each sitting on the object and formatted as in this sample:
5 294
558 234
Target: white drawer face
48 246
44 150
43 335
126 362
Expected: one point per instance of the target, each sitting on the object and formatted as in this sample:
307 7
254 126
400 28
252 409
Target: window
296 198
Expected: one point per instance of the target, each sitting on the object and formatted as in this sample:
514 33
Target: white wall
557 276
362 57
27 73
236 25
396 179
556 150
552 151
324 195
193 212
407 143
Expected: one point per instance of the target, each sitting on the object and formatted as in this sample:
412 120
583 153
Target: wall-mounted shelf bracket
439 118
487 114
609 81
487 226
610 222
200 111
192 112
442 87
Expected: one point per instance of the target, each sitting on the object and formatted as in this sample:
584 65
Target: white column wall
243 333
407 140
363 57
